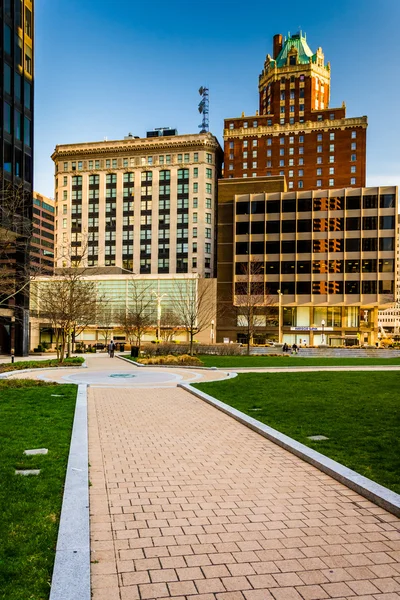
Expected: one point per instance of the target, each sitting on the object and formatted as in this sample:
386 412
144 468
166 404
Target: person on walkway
295 349
111 349
285 347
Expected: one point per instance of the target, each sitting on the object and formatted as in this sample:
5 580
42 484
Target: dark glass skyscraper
16 160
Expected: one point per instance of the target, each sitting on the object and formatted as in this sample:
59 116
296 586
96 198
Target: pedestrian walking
295 349
111 349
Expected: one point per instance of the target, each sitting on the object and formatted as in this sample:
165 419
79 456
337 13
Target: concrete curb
71 573
374 492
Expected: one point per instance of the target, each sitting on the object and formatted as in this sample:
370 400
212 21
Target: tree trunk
191 343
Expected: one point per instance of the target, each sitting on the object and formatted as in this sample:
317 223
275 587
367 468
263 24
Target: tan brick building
143 205
295 133
323 261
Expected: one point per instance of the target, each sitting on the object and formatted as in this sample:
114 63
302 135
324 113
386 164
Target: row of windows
316 287
286 267
316 225
385 244
259 207
133 161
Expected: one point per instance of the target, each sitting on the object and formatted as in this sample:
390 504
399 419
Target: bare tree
170 325
70 301
105 320
15 239
139 315
195 303
254 304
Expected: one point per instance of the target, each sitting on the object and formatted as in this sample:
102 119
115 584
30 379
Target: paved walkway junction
186 503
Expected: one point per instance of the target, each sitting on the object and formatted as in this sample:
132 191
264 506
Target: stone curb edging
71 573
374 492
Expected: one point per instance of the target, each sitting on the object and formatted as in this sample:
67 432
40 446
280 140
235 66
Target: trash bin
134 351
122 347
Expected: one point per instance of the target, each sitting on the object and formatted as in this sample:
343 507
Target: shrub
182 360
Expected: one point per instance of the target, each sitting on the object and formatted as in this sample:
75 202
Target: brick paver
187 503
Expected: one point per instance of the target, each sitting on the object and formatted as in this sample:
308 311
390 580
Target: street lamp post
279 317
159 297
323 332
212 332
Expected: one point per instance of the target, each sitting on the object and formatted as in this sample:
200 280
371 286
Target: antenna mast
204 109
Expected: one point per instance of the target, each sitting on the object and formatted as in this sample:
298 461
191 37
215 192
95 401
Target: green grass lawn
358 412
30 417
288 361
75 361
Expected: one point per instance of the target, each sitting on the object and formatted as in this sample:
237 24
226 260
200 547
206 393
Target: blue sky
105 68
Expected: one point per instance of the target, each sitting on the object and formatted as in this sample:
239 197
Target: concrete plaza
187 503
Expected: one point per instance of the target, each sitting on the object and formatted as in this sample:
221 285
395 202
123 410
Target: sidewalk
188 503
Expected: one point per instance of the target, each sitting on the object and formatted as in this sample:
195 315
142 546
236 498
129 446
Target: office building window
319 183
352 181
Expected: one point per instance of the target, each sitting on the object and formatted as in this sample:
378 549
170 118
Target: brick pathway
186 503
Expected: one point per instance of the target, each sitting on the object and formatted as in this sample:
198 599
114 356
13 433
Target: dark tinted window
303 266
369 265
370 201
353 223
257 247
288 267
242 208
289 205
303 246
370 244
242 228
272 267
273 226
242 247
370 223
304 287
353 245
288 226
387 201
273 206
287 287
257 226
304 204
272 247
352 266
386 265
386 243
369 287
258 207
352 287
289 247
353 202
386 287
304 225
386 222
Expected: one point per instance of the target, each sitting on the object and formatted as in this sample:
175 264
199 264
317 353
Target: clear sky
105 68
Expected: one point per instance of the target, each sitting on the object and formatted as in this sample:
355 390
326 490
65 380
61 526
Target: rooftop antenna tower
204 109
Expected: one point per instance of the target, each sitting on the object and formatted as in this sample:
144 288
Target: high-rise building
316 265
43 231
16 160
143 205
295 133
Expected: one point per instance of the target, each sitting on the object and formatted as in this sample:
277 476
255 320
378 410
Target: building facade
321 262
143 205
389 318
43 231
295 133
16 162
169 301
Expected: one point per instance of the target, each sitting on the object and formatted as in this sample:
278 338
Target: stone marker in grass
36 451
27 472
